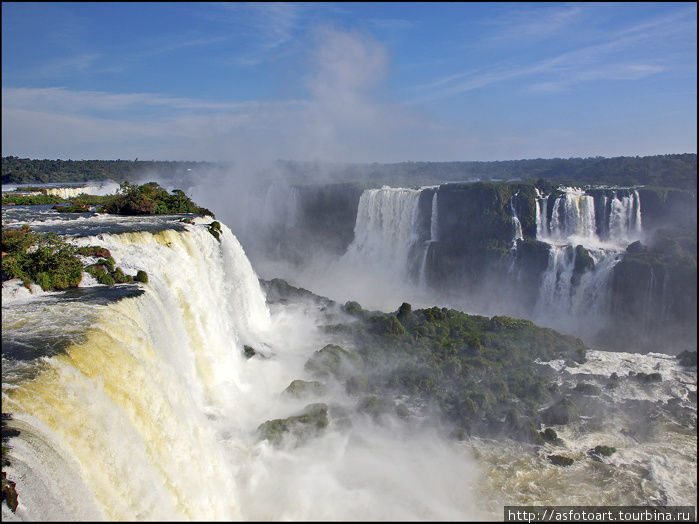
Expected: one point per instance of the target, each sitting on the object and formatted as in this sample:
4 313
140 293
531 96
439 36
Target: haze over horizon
345 82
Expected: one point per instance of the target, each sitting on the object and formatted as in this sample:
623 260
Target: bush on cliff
151 199
43 258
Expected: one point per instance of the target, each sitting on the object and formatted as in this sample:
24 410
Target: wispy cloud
532 24
627 54
71 65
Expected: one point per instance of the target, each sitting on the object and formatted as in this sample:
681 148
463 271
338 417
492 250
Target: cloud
343 118
527 24
66 66
627 54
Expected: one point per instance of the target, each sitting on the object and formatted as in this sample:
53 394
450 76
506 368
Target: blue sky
348 82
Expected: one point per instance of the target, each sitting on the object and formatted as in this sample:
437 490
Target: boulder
304 388
587 389
559 460
601 451
9 493
331 361
307 424
562 412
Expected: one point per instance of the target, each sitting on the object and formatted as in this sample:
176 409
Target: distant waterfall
566 297
624 222
434 221
385 231
72 192
573 214
434 233
516 223
583 218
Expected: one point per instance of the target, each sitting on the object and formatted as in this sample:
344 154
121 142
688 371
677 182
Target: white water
384 232
516 223
152 414
605 230
575 218
106 188
575 307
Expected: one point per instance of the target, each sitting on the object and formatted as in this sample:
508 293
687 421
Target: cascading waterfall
624 222
604 225
123 425
614 219
434 232
573 214
385 230
566 298
517 235
71 192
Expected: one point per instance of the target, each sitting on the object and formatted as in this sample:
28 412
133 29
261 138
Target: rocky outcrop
307 424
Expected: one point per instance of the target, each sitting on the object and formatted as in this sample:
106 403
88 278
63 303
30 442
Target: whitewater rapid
150 410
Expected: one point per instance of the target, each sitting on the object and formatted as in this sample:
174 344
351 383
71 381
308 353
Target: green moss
304 388
331 360
307 424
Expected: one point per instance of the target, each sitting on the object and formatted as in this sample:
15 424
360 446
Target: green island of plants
480 375
55 264
130 199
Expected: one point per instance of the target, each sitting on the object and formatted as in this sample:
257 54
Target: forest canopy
674 170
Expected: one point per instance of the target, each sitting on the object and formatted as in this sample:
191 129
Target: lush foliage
478 371
42 258
150 199
24 170
55 264
675 170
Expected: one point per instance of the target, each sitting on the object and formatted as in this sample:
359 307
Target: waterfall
624 222
434 219
71 192
541 212
515 221
570 300
385 231
577 218
123 425
434 232
573 214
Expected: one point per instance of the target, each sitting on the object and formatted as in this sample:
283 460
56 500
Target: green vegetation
215 229
42 258
674 170
24 170
310 422
151 199
53 263
477 370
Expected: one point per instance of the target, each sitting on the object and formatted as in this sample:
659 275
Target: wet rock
586 388
550 435
646 378
333 361
562 412
304 388
9 493
560 460
249 351
601 451
687 358
307 424
521 428
614 381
